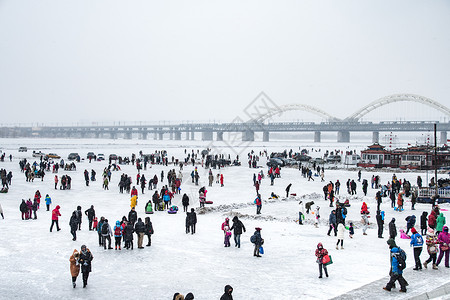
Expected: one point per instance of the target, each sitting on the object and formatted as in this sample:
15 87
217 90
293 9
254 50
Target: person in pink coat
444 241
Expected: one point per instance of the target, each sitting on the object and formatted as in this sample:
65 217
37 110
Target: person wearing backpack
257 240
117 234
106 234
417 244
398 263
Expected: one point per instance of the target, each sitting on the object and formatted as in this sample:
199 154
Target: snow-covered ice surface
34 263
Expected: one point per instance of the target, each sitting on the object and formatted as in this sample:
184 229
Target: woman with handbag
432 249
321 253
444 241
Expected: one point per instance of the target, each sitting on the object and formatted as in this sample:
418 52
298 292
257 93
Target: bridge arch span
290 107
397 98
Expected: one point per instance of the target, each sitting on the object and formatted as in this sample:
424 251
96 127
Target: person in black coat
192 220
227 294
90 213
132 216
333 223
139 228
73 223
380 223
85 261
148 230
35 208
288 188
392 229
423 223
128 235
237 227
258 241
24 210
185 202
392 197
79 216
379 200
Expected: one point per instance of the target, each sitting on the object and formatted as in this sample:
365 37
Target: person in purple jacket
444 241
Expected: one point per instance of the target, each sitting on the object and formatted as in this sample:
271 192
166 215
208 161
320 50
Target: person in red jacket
134 192
320 253
364 209
258 203
55 215
432 220
221 179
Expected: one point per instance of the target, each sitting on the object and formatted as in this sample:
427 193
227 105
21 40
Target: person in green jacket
440 222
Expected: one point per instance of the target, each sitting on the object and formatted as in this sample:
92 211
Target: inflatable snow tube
208 202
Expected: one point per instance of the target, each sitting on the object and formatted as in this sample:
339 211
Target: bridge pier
187 135
113 135
178 135
155 135
144 135
248 136
207 136
128 135
266 135
343 137
160 136
192 135
316 136
171 135
219 136
444 137
375 137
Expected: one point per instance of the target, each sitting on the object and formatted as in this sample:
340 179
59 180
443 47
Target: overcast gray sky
71 61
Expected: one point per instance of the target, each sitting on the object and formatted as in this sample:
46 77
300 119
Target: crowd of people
433 231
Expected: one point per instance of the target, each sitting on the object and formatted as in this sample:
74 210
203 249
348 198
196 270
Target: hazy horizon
109 61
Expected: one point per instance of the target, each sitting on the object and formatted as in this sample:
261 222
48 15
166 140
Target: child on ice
351 232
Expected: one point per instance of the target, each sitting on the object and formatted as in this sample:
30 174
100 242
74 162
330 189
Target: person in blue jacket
48 201
117 234
397 273
166 198
417 244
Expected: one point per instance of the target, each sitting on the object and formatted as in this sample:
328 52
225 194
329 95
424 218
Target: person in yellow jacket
133 201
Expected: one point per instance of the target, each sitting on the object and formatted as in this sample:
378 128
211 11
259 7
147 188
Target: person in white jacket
1 211
340 236
301 210
317 214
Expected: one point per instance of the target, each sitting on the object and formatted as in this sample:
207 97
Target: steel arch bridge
356 116
290 107
397 98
